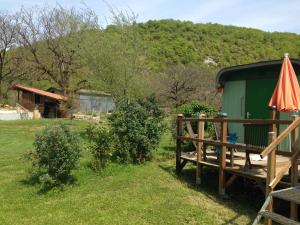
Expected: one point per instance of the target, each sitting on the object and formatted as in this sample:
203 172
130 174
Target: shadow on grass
45 187
168 148
243 196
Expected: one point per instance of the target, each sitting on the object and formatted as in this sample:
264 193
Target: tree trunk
1 96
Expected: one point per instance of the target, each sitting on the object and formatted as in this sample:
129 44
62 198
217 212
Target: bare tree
180 84
53 41
10 59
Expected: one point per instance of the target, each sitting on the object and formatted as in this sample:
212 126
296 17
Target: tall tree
116 56
10 60
53 42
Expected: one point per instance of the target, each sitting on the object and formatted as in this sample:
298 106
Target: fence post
271 171
222 157
178 142
199 148
294 168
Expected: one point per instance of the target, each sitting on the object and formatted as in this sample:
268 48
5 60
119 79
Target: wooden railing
284 169
271 150
21 107
200 140
273 177
224 124
280 138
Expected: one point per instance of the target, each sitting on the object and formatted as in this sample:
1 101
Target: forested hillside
173 41
175 60
184 57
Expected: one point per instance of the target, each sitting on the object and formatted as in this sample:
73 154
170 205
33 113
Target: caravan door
233 103
258 94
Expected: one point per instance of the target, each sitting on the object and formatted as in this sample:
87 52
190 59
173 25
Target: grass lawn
146 194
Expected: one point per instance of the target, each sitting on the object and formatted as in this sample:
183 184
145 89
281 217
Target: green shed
247 90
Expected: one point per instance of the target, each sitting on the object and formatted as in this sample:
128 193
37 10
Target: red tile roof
40 92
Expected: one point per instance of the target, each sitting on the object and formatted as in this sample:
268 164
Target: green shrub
100 145
195 108
56 154
137 126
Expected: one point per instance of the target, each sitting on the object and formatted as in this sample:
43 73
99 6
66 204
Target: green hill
132 59
173 41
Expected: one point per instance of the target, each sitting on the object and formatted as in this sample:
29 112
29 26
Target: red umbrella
286 96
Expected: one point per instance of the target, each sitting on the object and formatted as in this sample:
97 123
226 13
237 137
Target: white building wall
15 115
94 103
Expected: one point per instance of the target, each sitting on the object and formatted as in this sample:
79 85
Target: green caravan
246 91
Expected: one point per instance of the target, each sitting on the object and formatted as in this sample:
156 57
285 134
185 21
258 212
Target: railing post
222 181
199 148
271 164
294 168
271 171
178 142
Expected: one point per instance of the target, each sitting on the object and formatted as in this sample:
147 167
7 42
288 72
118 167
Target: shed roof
224 74
93 92
40 92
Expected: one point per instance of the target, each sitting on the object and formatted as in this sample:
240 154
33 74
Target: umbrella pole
293 116
273 116
290 143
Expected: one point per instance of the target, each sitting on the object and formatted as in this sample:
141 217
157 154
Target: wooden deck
235 158
257 171
277 169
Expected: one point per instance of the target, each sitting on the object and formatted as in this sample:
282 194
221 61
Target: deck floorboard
257 171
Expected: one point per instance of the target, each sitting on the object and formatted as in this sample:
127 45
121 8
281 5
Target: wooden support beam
182 165
294 169
261 185
231 180
267 202
204 149
178 143
271 171
284 169
199 148
222 158
271 164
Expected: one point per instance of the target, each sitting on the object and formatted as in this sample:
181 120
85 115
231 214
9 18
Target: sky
267 15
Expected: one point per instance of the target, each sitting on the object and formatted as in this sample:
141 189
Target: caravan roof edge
223 74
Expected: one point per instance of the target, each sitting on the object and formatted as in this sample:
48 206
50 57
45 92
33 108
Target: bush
55 155
137 126
195 108
100 145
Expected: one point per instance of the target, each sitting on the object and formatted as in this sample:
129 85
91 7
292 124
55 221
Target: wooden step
289 194
278 218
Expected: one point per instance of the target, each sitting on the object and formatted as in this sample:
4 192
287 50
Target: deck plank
258 170
291 195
